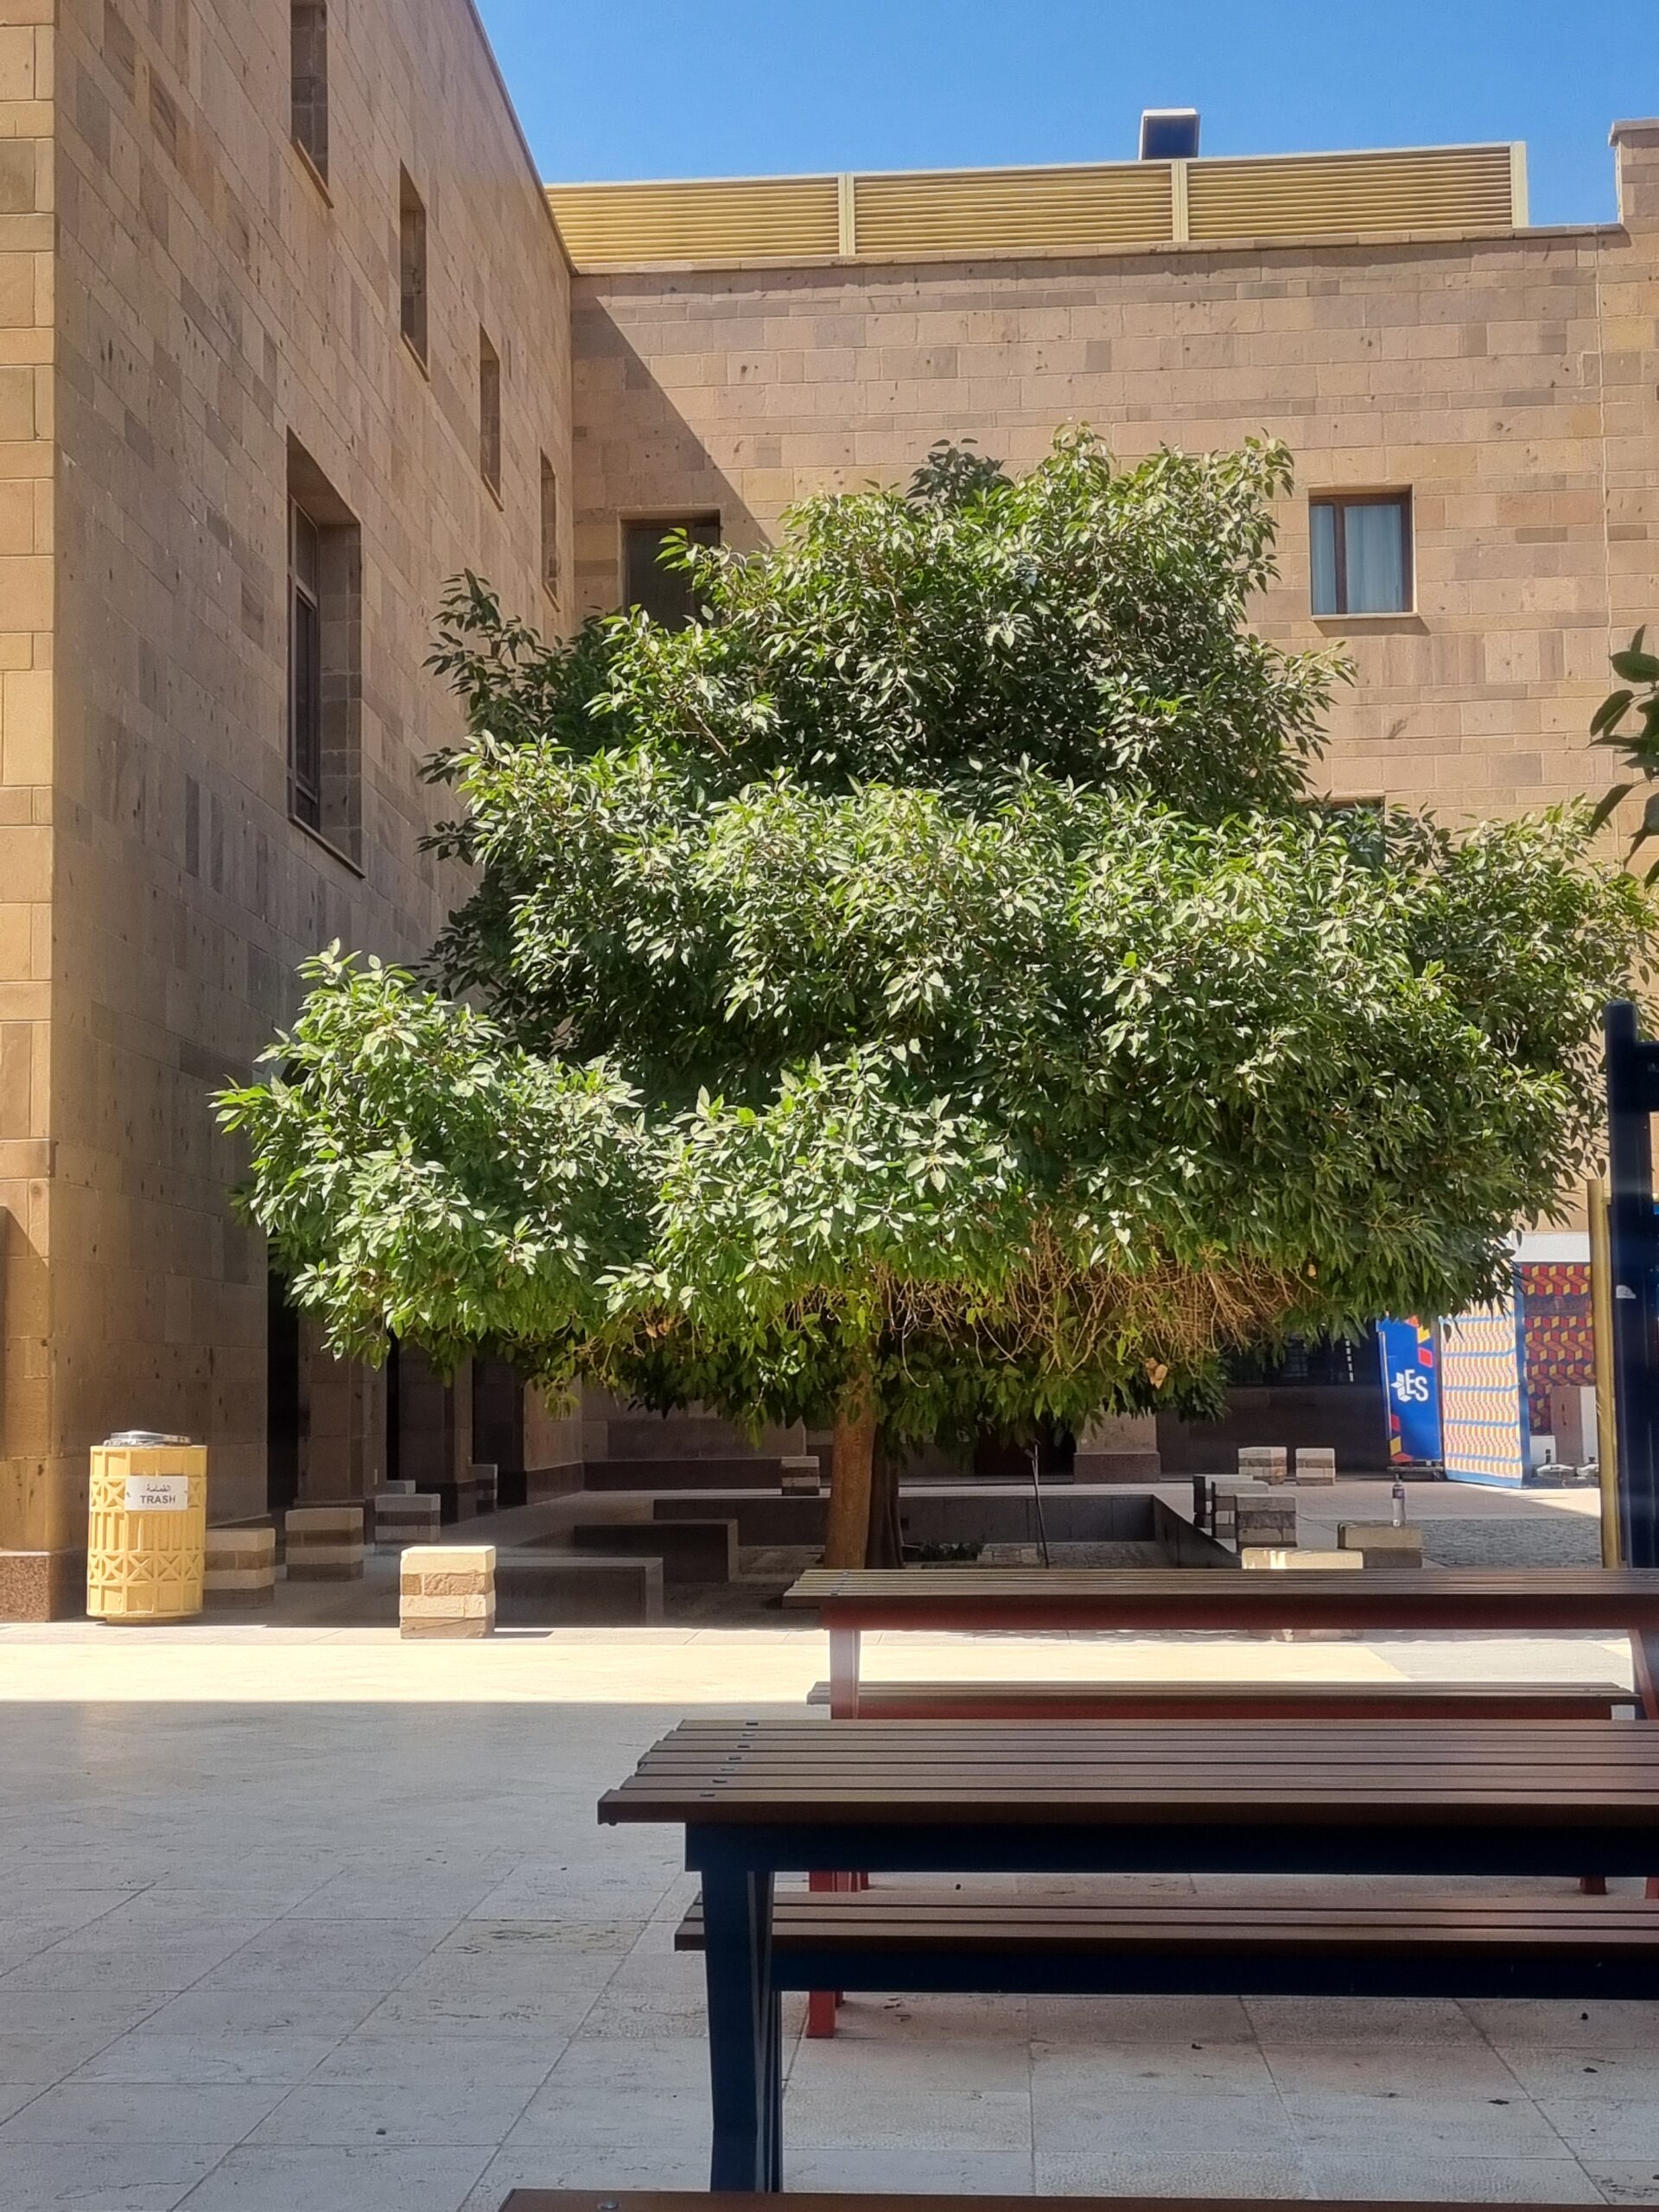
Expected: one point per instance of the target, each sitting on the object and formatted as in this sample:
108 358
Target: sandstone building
290 334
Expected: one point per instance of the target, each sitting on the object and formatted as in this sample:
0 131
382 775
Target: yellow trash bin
147 1527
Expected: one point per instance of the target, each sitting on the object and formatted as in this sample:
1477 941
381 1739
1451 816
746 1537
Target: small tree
924 996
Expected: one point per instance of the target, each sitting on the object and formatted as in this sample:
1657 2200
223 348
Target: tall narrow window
324 682
1360 547
412 265
489 413
550 530
304 669
664 593
308 81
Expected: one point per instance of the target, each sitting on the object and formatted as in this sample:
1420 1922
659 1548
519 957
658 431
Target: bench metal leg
745 2031
843 1674
845 1645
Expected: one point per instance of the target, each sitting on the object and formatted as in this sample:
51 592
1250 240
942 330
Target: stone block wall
215 306
1508 382
26 855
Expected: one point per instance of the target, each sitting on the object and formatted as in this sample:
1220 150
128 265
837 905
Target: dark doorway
394 1416
498 1426
283 1413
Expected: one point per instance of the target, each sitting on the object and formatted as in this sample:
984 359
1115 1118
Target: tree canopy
926 993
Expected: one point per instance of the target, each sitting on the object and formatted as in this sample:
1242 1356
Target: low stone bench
1293 1555
567 1589
1315 1465
1263 1463
692 1551
323 1543
239 1565
408 1516
1380 1544
1264 1519
446 1590
801 1475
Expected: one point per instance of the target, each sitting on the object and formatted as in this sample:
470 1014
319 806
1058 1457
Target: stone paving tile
1474 2127
126 2112
577 2167
1625 2182
291 1954
101 2176
1138 2168
409 2059
1401 2068
1365 2020
234 2012
1162 2020
1085 2122
453 2113
908 2173
467 2015
142 1961
1061 2072
1409 2174
379 2177
1602 2127
1609 2023
1592 2071
45 2034
150 2054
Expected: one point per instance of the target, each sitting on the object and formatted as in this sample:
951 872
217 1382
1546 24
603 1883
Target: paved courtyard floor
301 1919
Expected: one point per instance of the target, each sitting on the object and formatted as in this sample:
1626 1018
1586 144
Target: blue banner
1411 1382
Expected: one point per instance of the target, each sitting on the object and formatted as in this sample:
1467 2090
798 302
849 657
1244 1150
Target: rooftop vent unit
1169 134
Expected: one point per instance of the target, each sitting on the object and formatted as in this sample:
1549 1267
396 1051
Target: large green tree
924 996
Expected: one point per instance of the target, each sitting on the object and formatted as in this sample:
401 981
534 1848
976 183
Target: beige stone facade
182 304
1508 382
196 327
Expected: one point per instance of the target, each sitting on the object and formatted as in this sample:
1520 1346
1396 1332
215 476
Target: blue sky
625 88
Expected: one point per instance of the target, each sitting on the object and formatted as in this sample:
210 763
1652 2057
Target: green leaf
1636 667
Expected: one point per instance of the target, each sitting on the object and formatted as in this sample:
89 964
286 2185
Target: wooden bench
990 1942
945 1805
1258 1700
807 2200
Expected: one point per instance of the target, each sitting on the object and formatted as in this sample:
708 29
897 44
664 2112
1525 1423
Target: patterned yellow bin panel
147 1529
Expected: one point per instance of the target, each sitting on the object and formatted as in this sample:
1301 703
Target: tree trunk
847 1524
884 1545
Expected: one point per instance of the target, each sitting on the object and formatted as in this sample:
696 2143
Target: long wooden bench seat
964 1938
810 2200
1241 1700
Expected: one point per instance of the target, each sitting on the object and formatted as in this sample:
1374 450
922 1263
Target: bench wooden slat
676 2200
908 1921
1285 1699
899 1772
1619 1600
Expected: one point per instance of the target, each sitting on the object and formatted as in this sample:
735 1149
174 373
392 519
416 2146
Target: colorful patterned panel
1482 1407
1560 1331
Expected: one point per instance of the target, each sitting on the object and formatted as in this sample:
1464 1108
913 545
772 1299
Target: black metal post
1633 1238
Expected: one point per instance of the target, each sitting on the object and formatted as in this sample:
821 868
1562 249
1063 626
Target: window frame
304 672
660 524
324 708
1339 502
489 415
312 147
549 516
414 323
